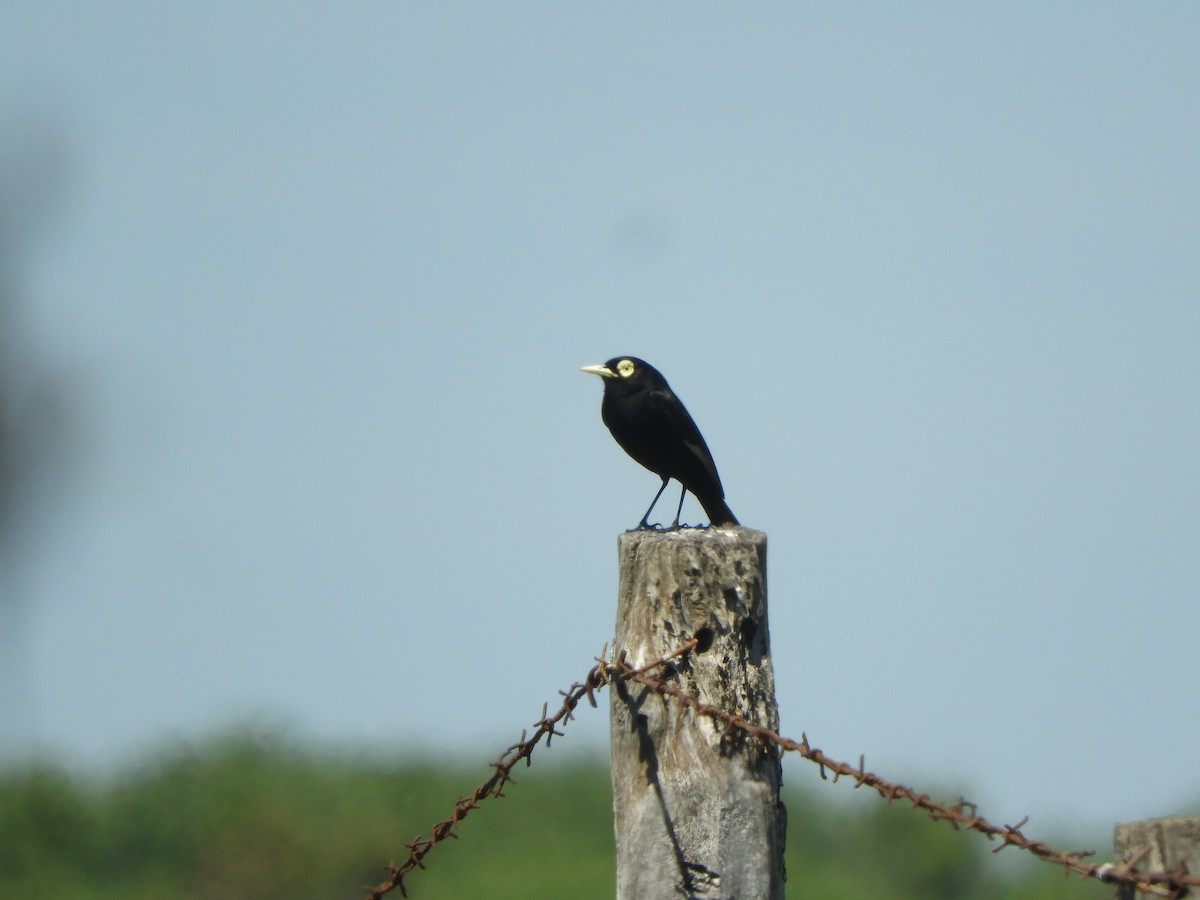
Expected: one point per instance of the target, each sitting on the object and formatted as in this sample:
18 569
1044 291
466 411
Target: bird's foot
646 526
662 529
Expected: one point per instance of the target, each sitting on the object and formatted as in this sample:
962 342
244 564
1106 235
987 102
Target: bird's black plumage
653 426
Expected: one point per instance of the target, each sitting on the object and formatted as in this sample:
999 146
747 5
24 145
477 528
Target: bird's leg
678 511
644 523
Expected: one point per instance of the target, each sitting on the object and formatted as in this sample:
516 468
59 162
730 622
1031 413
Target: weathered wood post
697 811
1170 841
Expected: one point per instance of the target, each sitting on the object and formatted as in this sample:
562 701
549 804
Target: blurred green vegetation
254 816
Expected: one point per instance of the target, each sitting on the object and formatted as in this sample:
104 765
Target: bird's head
627 373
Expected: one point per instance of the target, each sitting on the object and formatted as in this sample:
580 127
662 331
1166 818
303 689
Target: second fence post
696 809
1159 844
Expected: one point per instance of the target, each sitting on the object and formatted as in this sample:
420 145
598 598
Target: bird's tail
717 510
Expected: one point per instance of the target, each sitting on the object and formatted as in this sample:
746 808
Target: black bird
652 425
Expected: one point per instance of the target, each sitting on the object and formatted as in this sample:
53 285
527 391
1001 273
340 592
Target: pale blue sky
318 280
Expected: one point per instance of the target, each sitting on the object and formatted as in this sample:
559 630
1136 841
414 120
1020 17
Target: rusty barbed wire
548 727
1172 884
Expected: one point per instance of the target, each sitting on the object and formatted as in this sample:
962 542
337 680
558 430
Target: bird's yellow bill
602 370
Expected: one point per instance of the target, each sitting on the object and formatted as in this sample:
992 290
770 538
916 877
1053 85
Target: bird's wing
681 422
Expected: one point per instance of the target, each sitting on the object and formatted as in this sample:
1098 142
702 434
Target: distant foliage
249 816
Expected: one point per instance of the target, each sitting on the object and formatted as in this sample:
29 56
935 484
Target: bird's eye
625 368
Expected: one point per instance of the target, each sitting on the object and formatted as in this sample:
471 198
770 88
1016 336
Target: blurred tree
255 815
32 407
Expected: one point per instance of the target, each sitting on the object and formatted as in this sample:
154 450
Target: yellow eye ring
625 368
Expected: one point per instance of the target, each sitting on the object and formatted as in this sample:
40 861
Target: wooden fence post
696 811
1170 841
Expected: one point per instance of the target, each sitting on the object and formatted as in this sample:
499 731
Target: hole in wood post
704 639
749 630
